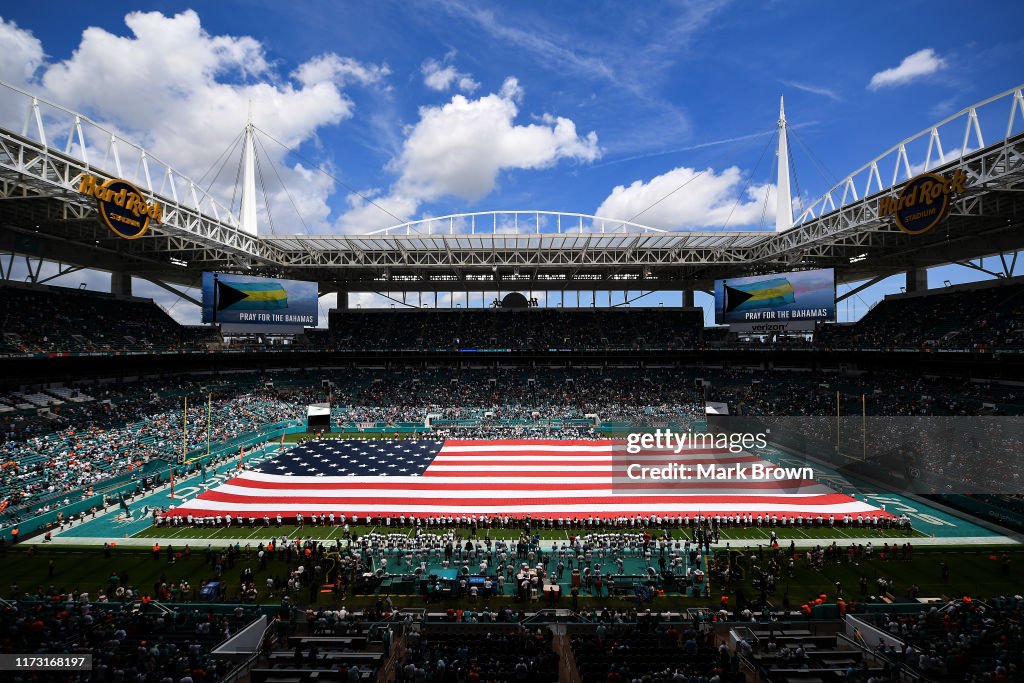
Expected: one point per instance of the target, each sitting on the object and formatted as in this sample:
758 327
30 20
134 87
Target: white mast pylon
247 214
784 208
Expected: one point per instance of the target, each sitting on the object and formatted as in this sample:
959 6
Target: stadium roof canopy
46 149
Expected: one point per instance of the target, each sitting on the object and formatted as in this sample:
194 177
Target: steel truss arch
40 167
596 224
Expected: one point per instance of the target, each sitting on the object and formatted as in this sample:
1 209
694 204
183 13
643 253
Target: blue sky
433 108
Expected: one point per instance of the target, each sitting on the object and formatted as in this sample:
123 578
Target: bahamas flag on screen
764 294
250 296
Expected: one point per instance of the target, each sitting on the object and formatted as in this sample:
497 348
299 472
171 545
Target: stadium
432 489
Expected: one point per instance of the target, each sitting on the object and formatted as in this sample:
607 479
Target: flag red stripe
570 514
609 461
611 476
597 500
513 471
427 484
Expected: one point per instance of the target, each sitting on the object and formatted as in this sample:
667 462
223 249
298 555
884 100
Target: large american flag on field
518 478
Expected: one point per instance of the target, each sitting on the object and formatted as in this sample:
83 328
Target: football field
931 525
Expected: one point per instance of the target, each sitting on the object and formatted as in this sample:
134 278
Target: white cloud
341 70
21 56
186 110
944 108
373 211
551 52
437 77
193 108
936 160
921 63
460 148
440 75
688 198
648 51
511 90
814 89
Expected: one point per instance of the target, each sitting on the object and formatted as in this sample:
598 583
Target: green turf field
973 573
932 526
801 536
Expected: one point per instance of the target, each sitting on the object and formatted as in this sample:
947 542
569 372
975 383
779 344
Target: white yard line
547 543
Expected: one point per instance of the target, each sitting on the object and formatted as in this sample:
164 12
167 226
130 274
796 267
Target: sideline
547 544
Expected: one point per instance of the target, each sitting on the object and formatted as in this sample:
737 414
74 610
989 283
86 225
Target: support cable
739 197
333 177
